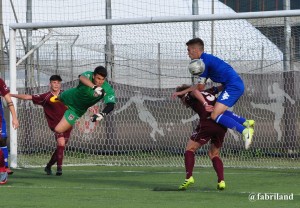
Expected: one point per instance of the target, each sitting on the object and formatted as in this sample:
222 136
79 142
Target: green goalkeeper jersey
82 97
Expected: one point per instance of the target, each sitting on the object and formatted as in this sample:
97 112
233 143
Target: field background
104 186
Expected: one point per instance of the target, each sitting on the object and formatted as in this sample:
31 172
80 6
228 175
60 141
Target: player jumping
233 88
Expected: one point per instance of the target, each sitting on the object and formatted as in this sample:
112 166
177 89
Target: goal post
149 60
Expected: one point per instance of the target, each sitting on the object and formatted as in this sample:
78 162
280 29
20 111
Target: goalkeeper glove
98 90
97 117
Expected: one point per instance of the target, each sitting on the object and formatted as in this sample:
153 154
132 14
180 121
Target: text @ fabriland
270 197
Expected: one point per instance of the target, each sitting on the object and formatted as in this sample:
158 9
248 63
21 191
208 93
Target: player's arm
22 96
107 109
183 92
12 110
198 95
109 100
86 81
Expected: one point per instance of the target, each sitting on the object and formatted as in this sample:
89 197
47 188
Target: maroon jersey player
5 93
206 130
53 113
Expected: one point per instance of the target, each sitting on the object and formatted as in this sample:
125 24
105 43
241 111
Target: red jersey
198 107
3 88
53 111
207 129
3 91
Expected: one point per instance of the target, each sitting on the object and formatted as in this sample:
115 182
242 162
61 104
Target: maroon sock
60 155
218 166
53 159
2 163
189 159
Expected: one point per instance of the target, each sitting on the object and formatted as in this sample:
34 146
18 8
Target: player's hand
209 108
97 117
175 94
15 123
98 90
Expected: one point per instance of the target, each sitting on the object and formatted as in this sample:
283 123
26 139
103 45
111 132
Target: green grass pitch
143 187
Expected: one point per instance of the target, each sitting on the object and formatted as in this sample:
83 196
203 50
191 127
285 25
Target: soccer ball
196 67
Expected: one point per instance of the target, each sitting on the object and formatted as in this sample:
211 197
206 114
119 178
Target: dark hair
197 41
181 88
55 78
101 71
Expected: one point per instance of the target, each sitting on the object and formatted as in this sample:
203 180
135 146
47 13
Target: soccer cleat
249 123
3 177
248 135
221 185
186 183
59 172
48 170
9 171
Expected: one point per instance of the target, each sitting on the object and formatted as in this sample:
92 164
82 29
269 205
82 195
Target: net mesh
147 127
146 62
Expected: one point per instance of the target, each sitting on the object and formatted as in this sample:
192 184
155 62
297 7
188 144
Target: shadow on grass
190 189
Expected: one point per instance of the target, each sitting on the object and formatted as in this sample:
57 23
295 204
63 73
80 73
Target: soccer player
92 87
206 130
4 92
53 113
3 173
233 88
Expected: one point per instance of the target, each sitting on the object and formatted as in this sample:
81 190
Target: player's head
55 82
182 97
195 48
55 78
99 75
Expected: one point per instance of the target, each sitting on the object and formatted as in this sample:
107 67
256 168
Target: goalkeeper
233 88
92 87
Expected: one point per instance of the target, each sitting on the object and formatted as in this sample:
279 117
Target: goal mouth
147 127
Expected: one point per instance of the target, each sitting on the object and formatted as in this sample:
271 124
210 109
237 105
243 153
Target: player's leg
60 154
240 119
51 162
3 145
189 162
219 117
217 164
226 99
62 126
67 121
53 158
4 149
3 173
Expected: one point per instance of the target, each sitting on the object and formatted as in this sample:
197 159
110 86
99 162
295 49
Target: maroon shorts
209 130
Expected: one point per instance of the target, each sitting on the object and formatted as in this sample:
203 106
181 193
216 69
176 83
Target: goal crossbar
148 20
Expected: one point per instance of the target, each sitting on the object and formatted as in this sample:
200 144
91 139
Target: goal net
146 62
